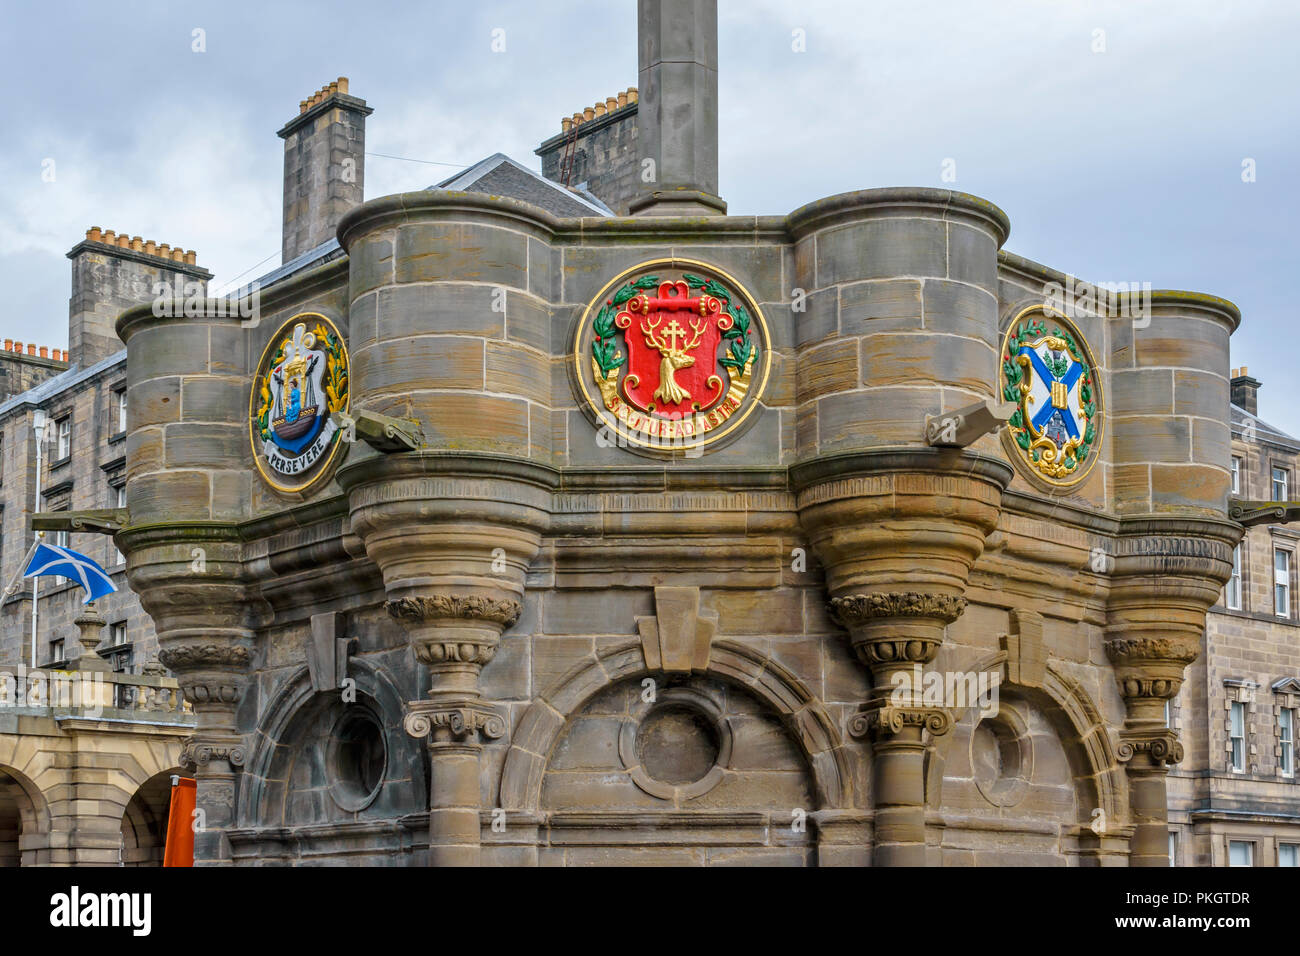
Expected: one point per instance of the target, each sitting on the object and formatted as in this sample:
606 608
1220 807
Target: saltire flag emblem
49 559
1048 372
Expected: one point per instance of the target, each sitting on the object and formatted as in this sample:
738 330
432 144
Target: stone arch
1099 779
274 749
144 821
24 818
804 717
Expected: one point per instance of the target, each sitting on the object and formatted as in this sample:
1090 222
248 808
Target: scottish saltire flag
76 567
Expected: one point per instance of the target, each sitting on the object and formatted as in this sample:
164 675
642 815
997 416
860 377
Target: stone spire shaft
677 121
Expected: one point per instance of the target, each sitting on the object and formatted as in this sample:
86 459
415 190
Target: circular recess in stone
678 746
358 758
1002 758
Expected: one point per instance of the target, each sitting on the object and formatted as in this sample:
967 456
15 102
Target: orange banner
180 825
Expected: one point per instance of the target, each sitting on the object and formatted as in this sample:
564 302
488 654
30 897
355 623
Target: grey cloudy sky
1122 165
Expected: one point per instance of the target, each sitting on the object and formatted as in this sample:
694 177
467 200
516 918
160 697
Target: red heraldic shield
672 343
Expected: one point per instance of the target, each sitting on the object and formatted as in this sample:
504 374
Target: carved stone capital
203 751
465 722
455 607
882 722
854 610
1157 748
1150 668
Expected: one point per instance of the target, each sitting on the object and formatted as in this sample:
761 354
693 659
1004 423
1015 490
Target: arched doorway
144 823
21 816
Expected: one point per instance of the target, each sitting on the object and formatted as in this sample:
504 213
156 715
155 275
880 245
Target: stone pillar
188 488
677 119
895 524
453 536
1168 573
898 633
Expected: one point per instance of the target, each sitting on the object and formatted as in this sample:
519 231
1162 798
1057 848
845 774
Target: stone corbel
93 521
1248 513
380 432
678 639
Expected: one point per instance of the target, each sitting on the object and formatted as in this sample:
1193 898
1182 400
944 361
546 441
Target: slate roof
1263 431
499 175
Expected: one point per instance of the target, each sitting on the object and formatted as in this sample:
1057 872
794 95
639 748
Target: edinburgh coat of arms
301 380
672 355
1048 372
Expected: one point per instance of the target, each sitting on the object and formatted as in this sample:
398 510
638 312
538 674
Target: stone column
1168 573
454 636
897 532
895 634
454 536
677 120
189 485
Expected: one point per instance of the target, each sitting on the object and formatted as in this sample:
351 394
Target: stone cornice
921 201
880 461
399 209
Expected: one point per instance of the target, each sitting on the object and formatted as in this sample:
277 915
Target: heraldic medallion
672 355
301 379
1049 373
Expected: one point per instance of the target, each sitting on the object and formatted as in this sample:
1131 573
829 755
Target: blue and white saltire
50 559
1046 410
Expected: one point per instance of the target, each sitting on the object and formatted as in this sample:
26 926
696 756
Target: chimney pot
110 237
9 345
631 94
621 99
588 114
124 241
137 244
334 88
302 106
31 348
165 250
600 109
1244 371
611 104
343 84
178 255
94 234
566 123
18 347
191 258
45 351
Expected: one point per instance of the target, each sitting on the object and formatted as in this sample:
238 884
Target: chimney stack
324 166
677 123
111 272
1245 391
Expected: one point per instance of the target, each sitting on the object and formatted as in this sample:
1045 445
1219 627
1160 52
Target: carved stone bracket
894 629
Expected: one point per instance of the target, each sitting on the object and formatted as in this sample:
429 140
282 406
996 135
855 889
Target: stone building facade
525 539
1234 801
510 533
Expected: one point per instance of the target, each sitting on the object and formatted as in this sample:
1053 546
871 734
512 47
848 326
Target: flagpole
22 566
38 429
